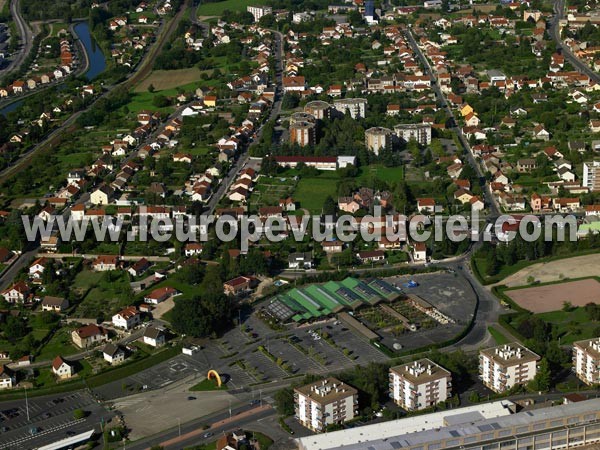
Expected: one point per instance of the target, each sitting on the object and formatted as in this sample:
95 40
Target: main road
581 66
25 36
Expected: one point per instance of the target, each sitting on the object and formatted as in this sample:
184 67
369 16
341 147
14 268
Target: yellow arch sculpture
213 373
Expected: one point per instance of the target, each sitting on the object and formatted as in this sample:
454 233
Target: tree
78 414
543 377
15 328
151 88
284 401
329 206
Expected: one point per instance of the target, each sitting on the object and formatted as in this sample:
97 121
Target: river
97 61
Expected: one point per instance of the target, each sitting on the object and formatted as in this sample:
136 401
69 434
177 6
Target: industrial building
491 426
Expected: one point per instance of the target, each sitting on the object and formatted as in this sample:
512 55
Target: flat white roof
392 428
68 442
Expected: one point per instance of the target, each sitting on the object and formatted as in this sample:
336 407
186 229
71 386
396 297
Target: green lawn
390 175
498 336
573 325
208 385
217 8
311 193
59 344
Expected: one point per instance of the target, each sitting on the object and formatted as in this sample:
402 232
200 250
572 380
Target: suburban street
489 198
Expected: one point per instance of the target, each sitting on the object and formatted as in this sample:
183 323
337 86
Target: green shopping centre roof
318 300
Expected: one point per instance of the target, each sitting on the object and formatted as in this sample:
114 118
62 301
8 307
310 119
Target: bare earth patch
162 308
577 267
169 79
540 299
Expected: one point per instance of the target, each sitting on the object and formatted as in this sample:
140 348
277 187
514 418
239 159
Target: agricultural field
216 9
168 79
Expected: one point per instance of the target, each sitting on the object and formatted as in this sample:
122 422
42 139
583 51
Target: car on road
207 435
254 402
191 398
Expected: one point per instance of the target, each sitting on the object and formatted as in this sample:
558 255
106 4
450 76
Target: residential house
139 267
371 256
89 335
104 263
54 304
113 354
160 295
62 369
239 285
154 337
19 292
127 318
8 378
300 261
419 252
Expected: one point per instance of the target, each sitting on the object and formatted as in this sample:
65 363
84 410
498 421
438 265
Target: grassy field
571 325
208 385
388 174
311 193
498 336
106 292
169 79
59 344
217 8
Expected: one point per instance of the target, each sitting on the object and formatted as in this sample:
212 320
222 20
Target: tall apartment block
419 385
586 360
505 366
325 402
591 175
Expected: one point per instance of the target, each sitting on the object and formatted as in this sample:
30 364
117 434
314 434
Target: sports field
551 297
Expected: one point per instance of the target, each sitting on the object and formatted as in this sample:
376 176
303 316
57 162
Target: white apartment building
377 138
504 366
586 360
356 107
420 132
419 384
591 175
259 11
325 402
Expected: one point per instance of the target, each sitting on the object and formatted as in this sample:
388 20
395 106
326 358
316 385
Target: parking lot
449 294
50 419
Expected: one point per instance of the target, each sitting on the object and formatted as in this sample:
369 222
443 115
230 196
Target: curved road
25 36
581 66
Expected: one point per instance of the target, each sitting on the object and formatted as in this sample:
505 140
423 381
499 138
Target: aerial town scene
313 225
